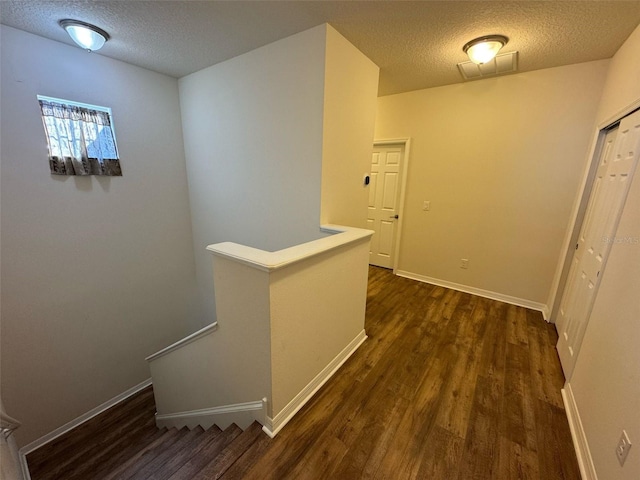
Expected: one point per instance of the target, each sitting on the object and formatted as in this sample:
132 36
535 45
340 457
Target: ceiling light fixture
484 49
87 36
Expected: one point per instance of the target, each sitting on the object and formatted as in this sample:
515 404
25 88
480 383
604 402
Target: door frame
406 143
580 207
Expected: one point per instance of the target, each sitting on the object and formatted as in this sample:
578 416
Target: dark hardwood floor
448 386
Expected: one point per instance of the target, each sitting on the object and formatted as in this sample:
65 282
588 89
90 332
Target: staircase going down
124 443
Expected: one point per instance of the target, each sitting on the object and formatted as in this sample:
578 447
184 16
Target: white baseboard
546 313
587 468
27 449
274 425
242 414
24 466
501 297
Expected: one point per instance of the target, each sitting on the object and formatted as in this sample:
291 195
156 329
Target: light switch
426 205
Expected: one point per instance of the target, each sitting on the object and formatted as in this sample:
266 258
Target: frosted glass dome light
87 36
484 49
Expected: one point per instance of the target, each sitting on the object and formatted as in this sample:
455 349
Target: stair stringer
242 414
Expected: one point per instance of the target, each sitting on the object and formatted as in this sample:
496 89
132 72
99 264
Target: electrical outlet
624 445
426 205
464 263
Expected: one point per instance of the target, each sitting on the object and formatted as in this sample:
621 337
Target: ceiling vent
500 65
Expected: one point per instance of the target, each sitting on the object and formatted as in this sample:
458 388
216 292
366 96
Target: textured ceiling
416 44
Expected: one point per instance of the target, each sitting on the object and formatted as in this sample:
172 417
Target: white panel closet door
616 166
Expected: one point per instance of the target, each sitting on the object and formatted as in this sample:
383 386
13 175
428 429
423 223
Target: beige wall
253 144
97 273
606 379
350 91
500 160
309 300
317 308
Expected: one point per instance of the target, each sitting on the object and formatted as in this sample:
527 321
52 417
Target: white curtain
80 140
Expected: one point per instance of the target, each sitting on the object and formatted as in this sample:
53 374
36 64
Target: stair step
107 455
185 442
123 443
95 447
219 465
211 451
197 450
145 455
241 467
81 438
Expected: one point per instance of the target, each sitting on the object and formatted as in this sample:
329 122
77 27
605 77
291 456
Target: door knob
394 216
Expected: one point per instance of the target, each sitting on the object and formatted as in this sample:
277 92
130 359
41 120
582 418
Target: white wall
97 273
230 365
500 160
350 92
622 87
606 379
253 142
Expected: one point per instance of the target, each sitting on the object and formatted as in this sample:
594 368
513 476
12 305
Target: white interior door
384 202
616 166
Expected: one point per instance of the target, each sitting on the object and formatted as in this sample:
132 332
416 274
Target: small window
80 138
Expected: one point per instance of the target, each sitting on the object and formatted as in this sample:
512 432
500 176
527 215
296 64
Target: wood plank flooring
448 386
